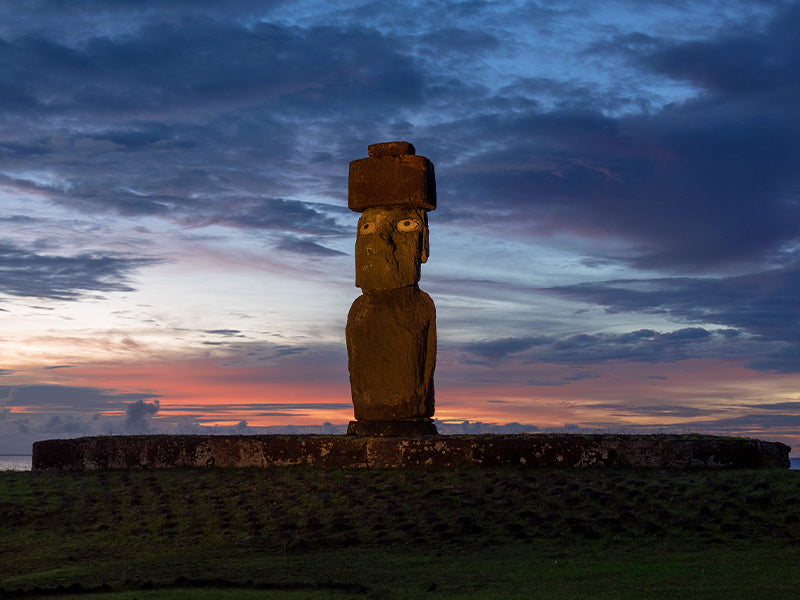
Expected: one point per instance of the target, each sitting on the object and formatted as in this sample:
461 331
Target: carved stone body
391 348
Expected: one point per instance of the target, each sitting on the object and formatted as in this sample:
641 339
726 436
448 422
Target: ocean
20 462
15 462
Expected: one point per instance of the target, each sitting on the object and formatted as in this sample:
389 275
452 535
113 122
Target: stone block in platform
340 451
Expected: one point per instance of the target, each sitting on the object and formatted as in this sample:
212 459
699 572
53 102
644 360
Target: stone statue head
391 244
393 188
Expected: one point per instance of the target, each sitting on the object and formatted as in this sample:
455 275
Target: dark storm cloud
644 345
559 381
500 348
59 424
26 273
195 118
78 399
282 215
778 423
779 406
765 305
18 220
785 359
137 415
738 63
692 187
290 244
459 40
709 181
193 108
689 334
664 410
225 332
204 61
637 346
288 408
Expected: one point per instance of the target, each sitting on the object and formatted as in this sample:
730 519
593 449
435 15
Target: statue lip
393 292
368 265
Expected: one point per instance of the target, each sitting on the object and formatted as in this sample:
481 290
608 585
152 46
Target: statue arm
430 355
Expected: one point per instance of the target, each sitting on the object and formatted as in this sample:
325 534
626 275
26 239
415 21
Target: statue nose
380 243
388 243
382 240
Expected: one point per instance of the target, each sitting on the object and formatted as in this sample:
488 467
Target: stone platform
339 451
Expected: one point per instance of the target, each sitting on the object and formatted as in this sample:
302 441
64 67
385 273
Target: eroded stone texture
391 244
404 450
391 347
384 180
394 429
391 149
391 327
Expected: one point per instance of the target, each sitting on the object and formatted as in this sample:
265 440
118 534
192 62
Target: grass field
406 533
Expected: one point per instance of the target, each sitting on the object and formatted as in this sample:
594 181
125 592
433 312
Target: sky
616 246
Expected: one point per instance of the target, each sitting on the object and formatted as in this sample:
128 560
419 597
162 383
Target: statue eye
408 225
367 227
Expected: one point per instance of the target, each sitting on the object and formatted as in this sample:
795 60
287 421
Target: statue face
392 242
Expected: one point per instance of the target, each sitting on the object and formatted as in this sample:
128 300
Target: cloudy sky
616 247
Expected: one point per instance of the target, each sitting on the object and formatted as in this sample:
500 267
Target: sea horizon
15 462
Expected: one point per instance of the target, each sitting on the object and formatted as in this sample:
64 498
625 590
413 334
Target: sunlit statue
391 327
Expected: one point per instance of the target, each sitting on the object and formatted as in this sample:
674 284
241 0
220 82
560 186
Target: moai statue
391 327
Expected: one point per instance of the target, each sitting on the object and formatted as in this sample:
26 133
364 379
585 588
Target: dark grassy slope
375 532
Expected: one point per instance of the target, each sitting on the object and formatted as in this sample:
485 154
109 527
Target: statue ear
426 248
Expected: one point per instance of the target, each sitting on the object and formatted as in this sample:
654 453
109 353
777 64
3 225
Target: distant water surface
15 462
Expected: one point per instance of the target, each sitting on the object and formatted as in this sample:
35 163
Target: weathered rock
396 429
391 245
390 149
162 451
391 347
331 451
388 179
391 328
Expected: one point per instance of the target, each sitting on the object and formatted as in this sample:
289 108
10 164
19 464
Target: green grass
438 533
